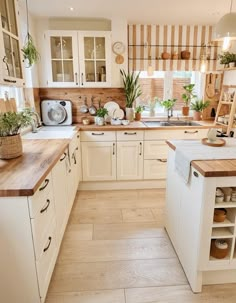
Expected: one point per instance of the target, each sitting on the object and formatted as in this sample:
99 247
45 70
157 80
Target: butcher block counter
23 175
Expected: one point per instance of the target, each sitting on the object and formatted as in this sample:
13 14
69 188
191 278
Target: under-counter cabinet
78 59
11 72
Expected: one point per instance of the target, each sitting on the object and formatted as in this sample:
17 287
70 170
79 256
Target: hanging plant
29 50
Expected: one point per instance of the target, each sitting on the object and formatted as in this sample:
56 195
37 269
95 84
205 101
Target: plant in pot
168 105
100 118
187 96
132 91
198 106
227 59
10 126
138 112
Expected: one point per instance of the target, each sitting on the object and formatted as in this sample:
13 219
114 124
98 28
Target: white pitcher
211 135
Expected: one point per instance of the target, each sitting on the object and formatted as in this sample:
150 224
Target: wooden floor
115 250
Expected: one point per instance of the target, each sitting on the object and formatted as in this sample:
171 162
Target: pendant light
225 29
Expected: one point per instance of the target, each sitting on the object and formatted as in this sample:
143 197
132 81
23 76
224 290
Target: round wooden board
217 143
119 59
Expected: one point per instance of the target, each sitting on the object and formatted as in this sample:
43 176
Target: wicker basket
10 147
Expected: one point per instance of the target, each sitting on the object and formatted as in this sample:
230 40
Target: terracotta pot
185 55
185 110
129 112
165 56
197 116
137 116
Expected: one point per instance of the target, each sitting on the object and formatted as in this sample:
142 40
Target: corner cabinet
78 59
11 59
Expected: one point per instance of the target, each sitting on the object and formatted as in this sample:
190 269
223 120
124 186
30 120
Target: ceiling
136 11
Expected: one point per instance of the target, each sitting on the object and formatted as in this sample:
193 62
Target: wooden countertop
23 175
213 168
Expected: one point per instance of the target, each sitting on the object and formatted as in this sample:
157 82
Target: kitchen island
189 220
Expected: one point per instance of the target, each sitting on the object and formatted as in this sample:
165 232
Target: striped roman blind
148 42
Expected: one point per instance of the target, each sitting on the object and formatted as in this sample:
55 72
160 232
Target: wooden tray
216 143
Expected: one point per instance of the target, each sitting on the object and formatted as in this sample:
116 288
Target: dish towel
189 150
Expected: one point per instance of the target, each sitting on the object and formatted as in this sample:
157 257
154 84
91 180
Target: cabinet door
130 160
60 195
99 161
11 57
62 58
95 59
155 169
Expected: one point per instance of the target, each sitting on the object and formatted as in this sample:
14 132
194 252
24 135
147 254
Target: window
13 92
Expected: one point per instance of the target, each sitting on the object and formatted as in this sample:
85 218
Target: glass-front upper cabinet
95 55
63 54
11 58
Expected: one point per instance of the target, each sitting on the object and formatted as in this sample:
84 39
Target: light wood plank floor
115 250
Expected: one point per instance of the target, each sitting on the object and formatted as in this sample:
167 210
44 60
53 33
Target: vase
100 121
129 112
197 116
137 116
185 110
10 147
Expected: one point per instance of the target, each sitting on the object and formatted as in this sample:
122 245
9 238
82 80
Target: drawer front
130 135
45 264
37 201
155 150
41 223
165 134
98 135
154 169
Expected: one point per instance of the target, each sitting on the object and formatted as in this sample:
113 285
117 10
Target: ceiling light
226 27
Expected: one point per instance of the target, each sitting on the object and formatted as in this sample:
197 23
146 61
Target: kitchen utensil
92 108
210 88
84 108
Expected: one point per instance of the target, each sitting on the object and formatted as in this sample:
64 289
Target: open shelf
226 223
222 233
225 205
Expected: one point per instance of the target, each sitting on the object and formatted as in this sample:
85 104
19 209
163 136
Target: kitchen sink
170 123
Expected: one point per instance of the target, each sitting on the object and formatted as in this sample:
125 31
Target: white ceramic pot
129 112
100 121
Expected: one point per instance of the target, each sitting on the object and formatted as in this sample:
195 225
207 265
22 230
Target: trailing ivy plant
30 52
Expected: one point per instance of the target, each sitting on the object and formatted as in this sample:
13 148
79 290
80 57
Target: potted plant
10 126
168 105
132 91
138 112
227 58
100 118
187 96
198 106
30 52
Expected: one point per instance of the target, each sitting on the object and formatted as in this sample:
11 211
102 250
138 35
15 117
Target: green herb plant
139 109
226 58
189 94
102 112
30 52
168 104
11 122
131 86
199 105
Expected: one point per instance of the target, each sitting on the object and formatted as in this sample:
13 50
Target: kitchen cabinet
78 59
11 71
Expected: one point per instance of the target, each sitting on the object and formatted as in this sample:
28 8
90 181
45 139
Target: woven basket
10 147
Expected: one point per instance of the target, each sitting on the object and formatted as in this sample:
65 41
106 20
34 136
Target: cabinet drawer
37 201
45 264
98 135
130 135
154 169
41 223
155 150
185 133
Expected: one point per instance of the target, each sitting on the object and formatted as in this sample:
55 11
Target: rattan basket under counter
10 147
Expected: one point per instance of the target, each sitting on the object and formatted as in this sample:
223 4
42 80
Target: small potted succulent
187 96
138 112
10 126
100 118
198 106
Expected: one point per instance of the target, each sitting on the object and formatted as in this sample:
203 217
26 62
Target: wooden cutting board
8 105
210 87
2 106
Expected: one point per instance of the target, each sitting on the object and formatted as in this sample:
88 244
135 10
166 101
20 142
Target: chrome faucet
35 122
169 113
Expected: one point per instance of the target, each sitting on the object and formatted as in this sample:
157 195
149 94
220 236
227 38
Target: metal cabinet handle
76 79
78 136
49 243
46 184
125 133
74 157
162 160
113 148
188 132
195 174
82 79
63 157
98 134
46 207
10 81
140 145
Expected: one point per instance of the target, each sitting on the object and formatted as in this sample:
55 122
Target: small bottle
213 112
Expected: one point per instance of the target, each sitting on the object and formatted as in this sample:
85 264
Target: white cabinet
78 59
130 160
10 55
99 161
